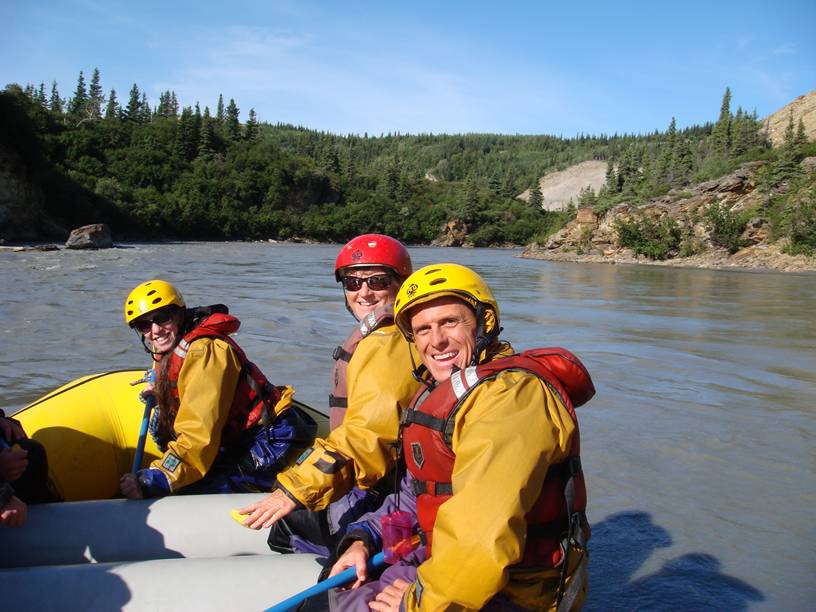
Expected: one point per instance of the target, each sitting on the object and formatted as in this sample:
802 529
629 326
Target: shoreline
762 258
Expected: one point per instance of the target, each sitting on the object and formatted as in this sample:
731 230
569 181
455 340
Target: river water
698 447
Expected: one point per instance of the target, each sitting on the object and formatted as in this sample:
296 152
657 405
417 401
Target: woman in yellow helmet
222 426
492 452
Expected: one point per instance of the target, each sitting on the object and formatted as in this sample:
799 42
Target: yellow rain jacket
360 451
206 386
506 435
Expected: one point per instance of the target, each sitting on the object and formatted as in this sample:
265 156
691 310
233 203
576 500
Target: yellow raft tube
90 428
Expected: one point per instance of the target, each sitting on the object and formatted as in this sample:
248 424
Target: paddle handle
321 587
140 445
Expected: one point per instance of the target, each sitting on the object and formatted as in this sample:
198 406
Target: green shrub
726 227
654 238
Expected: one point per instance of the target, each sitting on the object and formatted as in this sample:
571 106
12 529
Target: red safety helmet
374 250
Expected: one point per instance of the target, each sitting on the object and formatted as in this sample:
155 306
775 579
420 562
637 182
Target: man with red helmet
344 474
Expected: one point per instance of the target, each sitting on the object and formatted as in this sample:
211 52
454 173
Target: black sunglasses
378 282
145 325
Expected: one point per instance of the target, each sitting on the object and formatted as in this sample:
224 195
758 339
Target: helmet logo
417 454
411 291
357 255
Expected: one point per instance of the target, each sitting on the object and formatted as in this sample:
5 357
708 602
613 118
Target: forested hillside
183 171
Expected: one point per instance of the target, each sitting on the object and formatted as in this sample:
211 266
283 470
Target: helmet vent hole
156 300
429 272
438 281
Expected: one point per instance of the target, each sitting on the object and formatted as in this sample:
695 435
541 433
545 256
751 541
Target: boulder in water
95 236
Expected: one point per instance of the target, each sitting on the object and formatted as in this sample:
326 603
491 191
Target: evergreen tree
95 96
78 104
41 97
144 110
787 166
683 162
722 129
801 136
219 111
206 143
187 136
112 110
536 198
665 172
55 103
611 181
133 111
251 128
232 124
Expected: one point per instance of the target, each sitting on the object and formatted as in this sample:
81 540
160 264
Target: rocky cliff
803 107
595 238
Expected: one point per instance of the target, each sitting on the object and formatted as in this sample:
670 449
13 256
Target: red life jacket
255 397
428 431
338 398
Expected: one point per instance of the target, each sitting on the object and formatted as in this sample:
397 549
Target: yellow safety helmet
434 281
149 296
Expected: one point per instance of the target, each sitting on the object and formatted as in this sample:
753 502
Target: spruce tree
55 103
232 123
134 106
95 96
144 110
41 97
251 128
787 166
78 104
112 110
206 144
722 129
801 136
536 198
219 111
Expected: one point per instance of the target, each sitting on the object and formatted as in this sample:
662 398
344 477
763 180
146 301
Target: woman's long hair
167 403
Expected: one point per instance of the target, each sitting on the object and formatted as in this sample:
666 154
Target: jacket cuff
358 535
153 483
299 505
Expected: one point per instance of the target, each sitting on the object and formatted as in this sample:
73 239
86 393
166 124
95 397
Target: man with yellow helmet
492 451
222 426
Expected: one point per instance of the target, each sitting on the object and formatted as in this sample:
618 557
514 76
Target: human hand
14 513
355 556
129 485
390 598
268 511
11 430
13 462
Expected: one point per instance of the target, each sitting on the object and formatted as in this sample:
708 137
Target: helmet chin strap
153 354
484 339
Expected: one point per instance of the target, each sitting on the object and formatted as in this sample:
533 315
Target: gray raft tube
252 583
119 530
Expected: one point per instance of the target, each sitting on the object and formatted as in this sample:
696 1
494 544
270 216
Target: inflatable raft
110 554
90 428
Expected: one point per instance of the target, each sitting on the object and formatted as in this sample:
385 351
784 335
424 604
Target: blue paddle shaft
137 457
321 587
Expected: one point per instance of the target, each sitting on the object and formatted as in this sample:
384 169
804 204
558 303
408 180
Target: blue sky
559 68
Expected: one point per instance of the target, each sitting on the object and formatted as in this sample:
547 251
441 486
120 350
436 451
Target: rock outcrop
592 237
452 234
803 107
95 236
